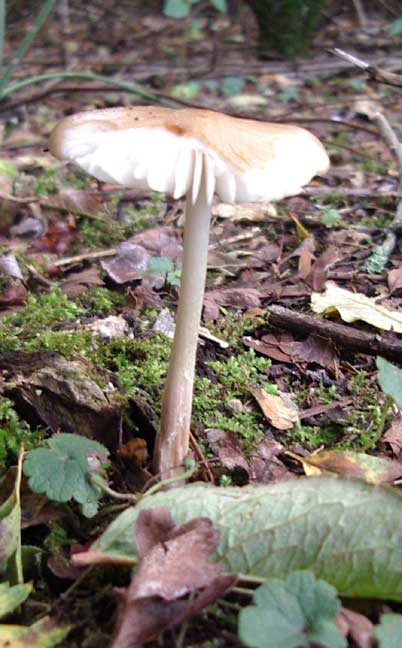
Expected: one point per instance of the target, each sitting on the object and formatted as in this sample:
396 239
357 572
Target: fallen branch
345 337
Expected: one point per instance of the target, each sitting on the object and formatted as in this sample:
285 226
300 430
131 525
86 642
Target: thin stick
101 254
374 73
381 253
26 42
88 76
360 13
2 30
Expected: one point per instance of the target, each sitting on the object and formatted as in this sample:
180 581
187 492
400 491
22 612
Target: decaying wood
345 337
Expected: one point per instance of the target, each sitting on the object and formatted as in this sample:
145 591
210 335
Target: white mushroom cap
164 149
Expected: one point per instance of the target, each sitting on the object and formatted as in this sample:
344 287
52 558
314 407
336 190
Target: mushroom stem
172 443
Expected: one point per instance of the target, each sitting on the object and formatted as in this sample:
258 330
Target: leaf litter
259 255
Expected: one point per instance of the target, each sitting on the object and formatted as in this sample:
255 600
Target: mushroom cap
165 149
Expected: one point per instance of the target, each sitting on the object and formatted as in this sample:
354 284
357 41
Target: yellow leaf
356 306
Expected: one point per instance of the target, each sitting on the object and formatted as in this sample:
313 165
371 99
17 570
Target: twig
101 483
374 73
360 13
379 257
201 457
88 76
345 337
101 254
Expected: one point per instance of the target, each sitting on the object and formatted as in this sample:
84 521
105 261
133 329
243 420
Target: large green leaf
10 531
348 533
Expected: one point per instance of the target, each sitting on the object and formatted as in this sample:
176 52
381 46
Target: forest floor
73 284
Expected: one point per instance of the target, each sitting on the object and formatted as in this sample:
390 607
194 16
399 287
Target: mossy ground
53 322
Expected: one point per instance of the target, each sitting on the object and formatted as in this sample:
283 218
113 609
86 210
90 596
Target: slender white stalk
172 443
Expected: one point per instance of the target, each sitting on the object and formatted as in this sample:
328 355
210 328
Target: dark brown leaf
235 297
173 563
78 282
395 280
130 262
226 445
75 201
393 436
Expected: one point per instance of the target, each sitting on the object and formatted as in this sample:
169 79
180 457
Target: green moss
356 429
234 376
56 540
234 326
33 321
13 434
101 301
47 181
313 437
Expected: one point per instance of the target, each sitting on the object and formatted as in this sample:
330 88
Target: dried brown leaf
173 563
276 411
394 279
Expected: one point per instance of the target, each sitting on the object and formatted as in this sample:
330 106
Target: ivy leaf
12 597
390 379
389 632
63 470
291 614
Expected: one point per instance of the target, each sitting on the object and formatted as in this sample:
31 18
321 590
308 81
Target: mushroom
193 153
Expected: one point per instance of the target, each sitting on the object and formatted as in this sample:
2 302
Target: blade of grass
2 30
122 85
26 42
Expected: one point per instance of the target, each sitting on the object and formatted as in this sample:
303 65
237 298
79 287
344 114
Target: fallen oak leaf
173 562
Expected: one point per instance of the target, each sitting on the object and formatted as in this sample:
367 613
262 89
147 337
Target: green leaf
219 5
186 91
10 531
289 93
395 28
346 532
63 471
390 379
177 8
159 265
12 597
43 634
292 613
330 216
8 169
389 632
232 86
